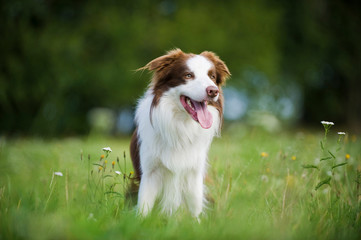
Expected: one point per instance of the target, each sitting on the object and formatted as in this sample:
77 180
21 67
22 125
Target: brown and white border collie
176 121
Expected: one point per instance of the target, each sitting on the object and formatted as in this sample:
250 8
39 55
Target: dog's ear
163 62
221 68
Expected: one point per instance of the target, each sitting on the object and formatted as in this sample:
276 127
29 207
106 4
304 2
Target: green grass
253 196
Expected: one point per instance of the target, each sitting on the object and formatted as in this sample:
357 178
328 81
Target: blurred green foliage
59 59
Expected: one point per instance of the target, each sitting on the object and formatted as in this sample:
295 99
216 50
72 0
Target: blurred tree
62 58
59 59
322 51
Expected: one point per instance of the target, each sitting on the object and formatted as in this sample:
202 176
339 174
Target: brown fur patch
221 68
134 154
168 72
133 187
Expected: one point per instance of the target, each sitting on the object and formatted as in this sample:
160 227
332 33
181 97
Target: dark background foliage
60 59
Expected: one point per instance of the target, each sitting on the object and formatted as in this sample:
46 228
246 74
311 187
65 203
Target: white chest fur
173 154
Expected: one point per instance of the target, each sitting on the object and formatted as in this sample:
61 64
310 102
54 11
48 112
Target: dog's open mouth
198 111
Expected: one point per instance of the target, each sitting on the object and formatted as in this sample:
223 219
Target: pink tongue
205 118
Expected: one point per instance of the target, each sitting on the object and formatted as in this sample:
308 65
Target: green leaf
339 165
310 166
332 154
325 158
96 164
323 182
322 145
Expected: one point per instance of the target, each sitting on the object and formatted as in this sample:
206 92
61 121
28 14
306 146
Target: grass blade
331 154
321 143
310 166
339 165
107 176
96 164
325 158
323 182
116 193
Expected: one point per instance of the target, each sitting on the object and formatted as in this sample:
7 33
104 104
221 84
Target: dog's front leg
194 193
148 191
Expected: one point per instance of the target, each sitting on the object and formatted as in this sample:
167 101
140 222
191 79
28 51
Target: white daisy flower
58 174
264 178
118 172
107 149
91 217
327 123
341 133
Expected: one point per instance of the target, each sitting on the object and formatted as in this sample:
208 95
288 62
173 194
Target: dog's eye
213 76
188 76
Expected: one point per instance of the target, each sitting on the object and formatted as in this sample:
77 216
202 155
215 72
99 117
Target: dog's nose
212 91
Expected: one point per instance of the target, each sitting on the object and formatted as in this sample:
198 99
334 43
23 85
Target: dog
176 120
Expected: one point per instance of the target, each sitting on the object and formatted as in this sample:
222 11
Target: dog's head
197 80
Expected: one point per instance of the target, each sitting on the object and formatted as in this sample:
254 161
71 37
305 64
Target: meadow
294 184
